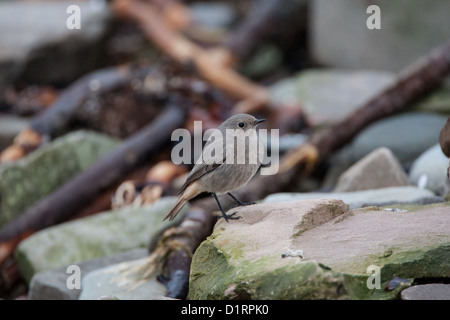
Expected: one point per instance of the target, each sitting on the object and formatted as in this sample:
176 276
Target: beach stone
379 169
52 284
430 170
24 182
330 95
339 35
320 249
243 260
114 282
95 236
432 291
407 135
213 14
359 199
39 47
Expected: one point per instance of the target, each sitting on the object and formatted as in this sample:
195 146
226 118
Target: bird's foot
230 216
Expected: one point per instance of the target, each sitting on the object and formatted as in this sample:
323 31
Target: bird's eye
241 124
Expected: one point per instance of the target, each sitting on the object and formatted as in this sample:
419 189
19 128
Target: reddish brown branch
212 65
268 19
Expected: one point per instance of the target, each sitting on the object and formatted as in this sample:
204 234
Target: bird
229 169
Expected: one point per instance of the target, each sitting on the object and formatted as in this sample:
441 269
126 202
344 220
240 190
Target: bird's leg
239 202
224 215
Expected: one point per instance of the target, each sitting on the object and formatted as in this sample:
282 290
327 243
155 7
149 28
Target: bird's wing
207 163
197 172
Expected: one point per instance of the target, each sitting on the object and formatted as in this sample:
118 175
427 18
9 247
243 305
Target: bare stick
212 65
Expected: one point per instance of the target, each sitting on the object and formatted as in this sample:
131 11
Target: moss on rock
26 181
243 260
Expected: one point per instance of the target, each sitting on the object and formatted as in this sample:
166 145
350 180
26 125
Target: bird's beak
258 122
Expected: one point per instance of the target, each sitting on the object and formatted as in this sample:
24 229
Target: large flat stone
242 258
328 249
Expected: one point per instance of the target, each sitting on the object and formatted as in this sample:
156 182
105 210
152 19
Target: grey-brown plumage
219 173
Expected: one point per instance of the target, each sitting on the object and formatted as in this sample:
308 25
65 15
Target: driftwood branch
267 20
72 196
196 226
213 65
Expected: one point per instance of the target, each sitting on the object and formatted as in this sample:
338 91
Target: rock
31 178
379 169
52 284
235 261
407 135
243 259
340 37
330 95
358 199
92 237
213 14
113 281
430 170
39 47
10 126
432 291
394 133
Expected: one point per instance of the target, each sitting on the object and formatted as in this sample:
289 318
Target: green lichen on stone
259 279
264 278
26 181
228 267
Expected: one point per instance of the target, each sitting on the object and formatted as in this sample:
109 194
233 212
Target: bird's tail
175 209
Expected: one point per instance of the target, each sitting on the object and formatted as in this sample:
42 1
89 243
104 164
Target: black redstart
226 163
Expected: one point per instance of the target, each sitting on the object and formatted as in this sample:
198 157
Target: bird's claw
230 216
